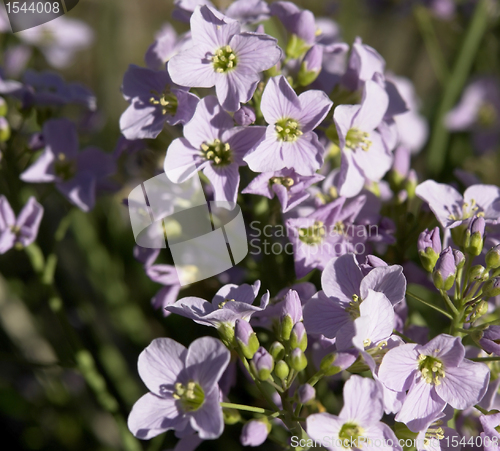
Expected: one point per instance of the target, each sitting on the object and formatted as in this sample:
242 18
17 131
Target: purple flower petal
342 277
208 420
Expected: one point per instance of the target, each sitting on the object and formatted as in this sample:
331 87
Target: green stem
230 405
435 307
315 378
486 359
424 23
483 411
439 140
450 304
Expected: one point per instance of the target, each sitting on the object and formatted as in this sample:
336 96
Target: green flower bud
298 339
297 359
478 272
246 338
493 257
281 369
286 327
4 130
277 350
327 367
231 416
226 334
473 241
3 107
492 288
296 47
262 364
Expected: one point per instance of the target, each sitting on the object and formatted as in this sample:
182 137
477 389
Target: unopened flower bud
246 338
411 183
231 416
492 287
4 130
490 340
473 241
281 369
493 257
306 393
291 314
311 65
327 365
478 272
445 270
401 165
245 115
277 350
226 334
429 248
298 339
297 359
255 432
262 364
459 258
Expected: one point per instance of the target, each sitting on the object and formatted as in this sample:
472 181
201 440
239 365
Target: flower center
287 129
350 432
353 310
487 115
468 210
218 152
357 139
63 168
314 234
224 59
166 100
287 182
431 369
190 395
223 303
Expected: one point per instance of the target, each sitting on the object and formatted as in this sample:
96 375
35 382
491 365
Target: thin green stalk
435 307
230 405
450 304
424 23
461 69
483 411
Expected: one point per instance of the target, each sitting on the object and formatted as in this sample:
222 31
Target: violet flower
254 433
434 375
344 290
490 437
287 185
167 275
213 144
224 57
183 388
230 303
452 209
165 45
364 155
358 423
290 141
154 102
20 231
74 173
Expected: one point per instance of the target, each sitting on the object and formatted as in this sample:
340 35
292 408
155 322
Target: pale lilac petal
420 406
279 100
192 67
28 221
343 116
465 385
7 240
443 200
305 155
323 315
212 28
321 425
351 179
7 216
208 420
62 137
242 140
208 122
385 279
42 170
140 82
315 105
487 197
398 367
244 293
94 161
373 107
235 87
375 162
140 121
152 415
225 181
192 307
362 401
255 52
206 360
267 156
182 160
342 277
160 363
187 103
